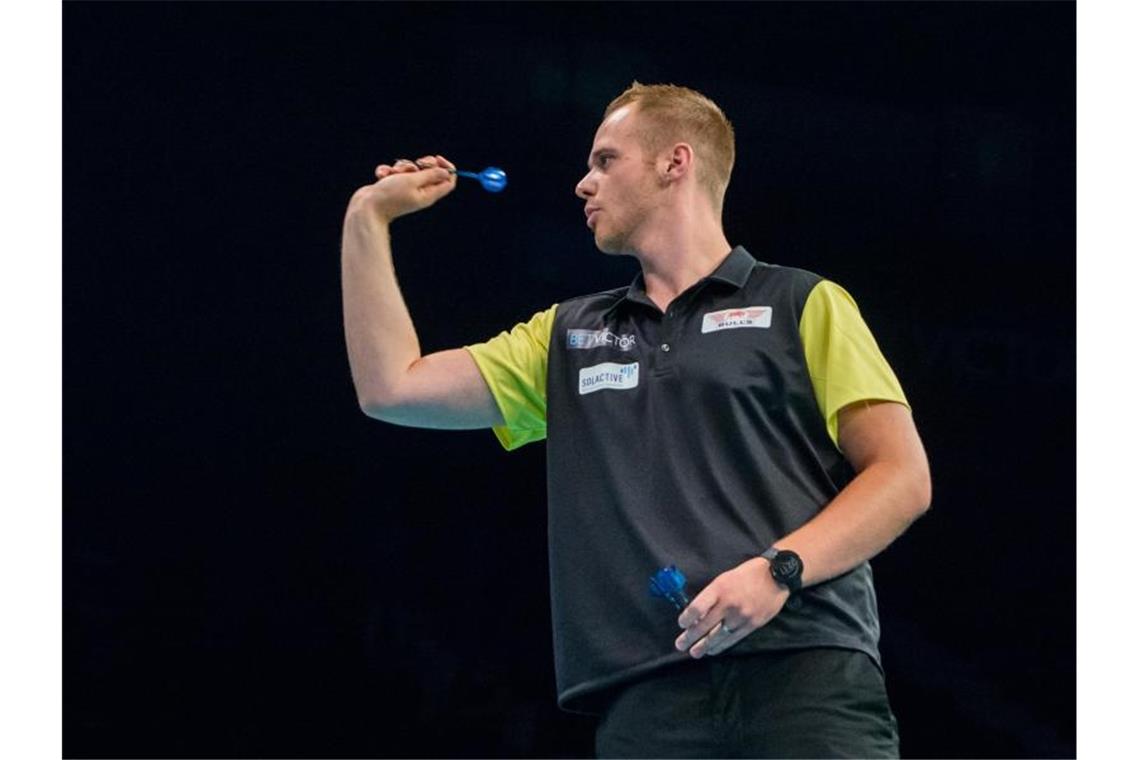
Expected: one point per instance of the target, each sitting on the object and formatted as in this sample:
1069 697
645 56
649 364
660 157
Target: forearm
862 520
381 339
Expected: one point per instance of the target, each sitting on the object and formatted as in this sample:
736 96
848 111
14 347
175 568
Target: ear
679 162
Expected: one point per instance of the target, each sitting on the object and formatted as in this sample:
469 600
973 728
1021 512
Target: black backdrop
253 568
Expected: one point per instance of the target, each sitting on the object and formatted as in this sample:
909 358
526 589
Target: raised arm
393 381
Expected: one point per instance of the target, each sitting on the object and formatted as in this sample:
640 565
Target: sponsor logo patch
745 316
597 338
619 377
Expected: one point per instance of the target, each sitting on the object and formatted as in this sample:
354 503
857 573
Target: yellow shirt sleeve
843 359
514 366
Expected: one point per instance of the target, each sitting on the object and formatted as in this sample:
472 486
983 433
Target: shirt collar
733 270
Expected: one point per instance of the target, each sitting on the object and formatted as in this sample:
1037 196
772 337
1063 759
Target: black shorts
796 703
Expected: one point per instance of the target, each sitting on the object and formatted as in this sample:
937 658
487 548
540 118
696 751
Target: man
731 417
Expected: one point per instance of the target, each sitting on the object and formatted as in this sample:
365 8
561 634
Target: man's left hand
733 605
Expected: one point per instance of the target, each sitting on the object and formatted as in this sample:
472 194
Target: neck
674 257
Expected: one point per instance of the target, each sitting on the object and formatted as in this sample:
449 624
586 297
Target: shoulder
786 274
792 285
591 302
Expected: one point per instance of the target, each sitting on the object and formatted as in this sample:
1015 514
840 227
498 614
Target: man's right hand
403 188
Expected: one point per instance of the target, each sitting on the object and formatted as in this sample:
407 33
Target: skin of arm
381 339
393 381
890 491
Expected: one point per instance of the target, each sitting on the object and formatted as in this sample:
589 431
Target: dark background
254 568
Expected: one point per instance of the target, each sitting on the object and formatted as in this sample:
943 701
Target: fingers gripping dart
493 179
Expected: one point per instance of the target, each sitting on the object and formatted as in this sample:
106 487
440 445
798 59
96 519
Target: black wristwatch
786 566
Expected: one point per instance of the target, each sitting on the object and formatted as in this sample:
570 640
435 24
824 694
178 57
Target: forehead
618 124
617 130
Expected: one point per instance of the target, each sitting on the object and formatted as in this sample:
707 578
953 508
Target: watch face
786 565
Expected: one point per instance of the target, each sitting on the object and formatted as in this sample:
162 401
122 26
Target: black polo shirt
696 437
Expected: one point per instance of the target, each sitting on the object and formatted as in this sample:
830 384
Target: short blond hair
678 113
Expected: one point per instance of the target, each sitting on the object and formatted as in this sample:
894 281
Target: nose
585 187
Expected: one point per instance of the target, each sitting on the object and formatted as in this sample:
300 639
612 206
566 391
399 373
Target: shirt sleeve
843 359
514 366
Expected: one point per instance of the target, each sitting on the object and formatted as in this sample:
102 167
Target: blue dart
492 178
669 582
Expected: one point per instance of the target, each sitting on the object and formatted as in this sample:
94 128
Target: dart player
731 417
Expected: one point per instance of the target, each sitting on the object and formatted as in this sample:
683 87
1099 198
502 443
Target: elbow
372 410
378 395
921 493
374 406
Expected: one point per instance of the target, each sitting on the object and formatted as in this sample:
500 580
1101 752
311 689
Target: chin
604 248
612 245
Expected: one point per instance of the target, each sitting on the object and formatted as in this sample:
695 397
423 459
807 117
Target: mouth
590 214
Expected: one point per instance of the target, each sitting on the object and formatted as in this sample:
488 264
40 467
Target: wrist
366 234
366 219
782 592
785 567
